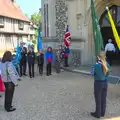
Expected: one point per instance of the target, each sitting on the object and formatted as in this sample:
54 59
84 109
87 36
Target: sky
29 6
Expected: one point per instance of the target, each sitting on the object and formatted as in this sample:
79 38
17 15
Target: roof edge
15 18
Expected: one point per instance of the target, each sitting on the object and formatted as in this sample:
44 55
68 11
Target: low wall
76 57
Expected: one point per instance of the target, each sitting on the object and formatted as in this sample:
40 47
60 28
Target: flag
67 38
98 40
39 42
115 33
18 55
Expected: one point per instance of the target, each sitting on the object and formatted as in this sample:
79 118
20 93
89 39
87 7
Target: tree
36 19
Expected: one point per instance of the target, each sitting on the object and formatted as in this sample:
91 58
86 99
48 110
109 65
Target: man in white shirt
109 49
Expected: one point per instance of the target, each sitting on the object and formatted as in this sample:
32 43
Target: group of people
12 68
61 54
10 74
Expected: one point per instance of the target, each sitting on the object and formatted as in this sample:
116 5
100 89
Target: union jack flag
67 38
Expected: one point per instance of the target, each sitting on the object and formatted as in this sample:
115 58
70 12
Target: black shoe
94 115
102 115
66 66
11 110
19 79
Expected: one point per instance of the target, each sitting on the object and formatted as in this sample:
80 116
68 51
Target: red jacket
66 56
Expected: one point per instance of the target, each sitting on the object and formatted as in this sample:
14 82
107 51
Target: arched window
115 12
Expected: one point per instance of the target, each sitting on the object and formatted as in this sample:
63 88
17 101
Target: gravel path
67 96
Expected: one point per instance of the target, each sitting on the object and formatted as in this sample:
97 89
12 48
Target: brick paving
67 96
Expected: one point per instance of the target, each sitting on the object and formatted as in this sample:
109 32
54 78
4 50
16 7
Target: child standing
40 59
66 56
31 61
49 60
57 61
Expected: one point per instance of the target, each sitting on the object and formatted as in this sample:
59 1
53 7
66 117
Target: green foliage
36 19
34 42
36 33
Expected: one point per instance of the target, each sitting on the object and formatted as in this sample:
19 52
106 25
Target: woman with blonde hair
101 71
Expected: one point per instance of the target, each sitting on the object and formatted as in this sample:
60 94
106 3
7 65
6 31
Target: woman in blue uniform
101 71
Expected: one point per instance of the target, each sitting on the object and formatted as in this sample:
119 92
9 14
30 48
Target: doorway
106 29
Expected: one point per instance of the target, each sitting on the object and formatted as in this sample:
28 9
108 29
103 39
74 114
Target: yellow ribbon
115 33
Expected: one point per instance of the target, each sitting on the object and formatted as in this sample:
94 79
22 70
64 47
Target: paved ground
68 96
114 69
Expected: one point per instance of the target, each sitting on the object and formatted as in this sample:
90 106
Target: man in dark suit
31 62
23 61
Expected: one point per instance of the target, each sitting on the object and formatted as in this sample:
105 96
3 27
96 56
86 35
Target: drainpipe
85 9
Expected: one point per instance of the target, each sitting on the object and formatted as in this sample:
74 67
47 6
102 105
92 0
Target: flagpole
98 40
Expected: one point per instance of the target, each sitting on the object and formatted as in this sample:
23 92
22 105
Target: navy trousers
100 94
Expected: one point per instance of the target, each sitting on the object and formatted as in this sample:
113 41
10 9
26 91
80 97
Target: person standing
9 78
110 49
23 61
31 61
2 87
57 61
101 72
62 52
40 60
49 60
0 77
66 56
16 65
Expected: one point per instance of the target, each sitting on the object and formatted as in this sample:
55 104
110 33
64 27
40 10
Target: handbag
2 87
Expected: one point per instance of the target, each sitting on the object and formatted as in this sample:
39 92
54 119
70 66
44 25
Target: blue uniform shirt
99 73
